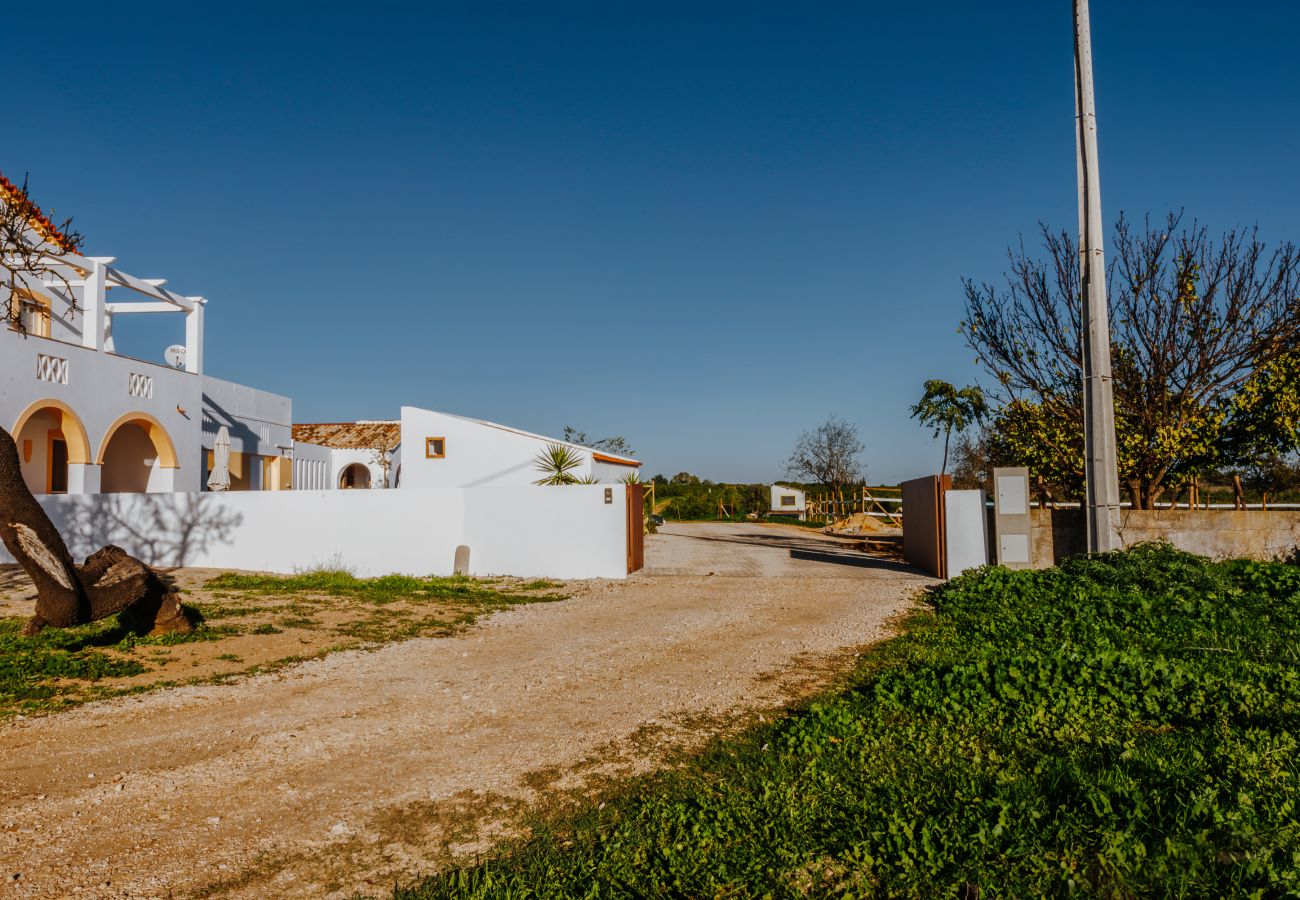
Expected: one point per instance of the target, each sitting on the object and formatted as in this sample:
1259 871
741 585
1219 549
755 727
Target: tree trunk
110 582
1238 494
947 434
1134 488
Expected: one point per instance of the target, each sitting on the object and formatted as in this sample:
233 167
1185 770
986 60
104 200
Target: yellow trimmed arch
162 441
74 433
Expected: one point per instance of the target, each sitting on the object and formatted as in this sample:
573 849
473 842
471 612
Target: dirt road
348 772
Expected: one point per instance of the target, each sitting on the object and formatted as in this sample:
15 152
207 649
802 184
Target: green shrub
1121 726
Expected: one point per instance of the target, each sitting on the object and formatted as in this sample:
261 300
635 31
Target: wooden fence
879 502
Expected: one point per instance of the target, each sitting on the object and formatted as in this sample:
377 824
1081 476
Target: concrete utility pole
1101 469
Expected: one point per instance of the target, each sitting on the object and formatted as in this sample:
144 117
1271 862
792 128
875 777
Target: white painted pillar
194 337
83 478
161 480
92 304
109 346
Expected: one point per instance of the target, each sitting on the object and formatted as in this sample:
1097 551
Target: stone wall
1216 533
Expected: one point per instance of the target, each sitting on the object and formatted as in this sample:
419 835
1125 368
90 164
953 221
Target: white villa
89 420
449 451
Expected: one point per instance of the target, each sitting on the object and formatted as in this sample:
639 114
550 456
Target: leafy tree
685 478
828 454
1273 477
946 409
1202 344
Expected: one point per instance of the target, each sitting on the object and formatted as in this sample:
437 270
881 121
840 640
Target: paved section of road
345 773
759 550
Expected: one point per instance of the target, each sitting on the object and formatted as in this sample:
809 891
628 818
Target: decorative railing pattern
139 385
51 368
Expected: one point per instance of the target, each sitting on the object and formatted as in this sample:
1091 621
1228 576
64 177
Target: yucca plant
557 464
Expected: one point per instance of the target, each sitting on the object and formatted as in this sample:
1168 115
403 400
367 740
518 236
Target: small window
435 448
787 499
33 313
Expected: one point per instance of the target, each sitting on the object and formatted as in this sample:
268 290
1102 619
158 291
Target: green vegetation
272 621
1121 726
1196 395
945 409
558 464
385 589
706 500
35 672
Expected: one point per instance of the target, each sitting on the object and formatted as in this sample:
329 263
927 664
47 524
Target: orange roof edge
14 193
615 460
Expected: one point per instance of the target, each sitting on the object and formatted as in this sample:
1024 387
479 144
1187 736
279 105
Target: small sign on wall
609 495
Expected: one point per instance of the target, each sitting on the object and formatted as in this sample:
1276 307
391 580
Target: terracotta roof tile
41 224
350 435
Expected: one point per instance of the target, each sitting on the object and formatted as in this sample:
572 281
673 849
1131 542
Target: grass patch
52 669
382 590
1121 726
328 610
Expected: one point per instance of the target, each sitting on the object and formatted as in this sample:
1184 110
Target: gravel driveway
345 773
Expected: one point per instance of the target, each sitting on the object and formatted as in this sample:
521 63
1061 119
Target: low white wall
567 532
561 532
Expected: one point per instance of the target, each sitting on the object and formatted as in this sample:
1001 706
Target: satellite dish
176 356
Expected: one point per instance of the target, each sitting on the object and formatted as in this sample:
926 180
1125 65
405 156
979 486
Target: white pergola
90 278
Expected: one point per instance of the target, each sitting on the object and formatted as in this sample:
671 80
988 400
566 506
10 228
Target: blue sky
702 226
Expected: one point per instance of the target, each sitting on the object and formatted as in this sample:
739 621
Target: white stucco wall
258 422
612 473
567 532
779 491
479 454
561 532
98 391
320 468
313 467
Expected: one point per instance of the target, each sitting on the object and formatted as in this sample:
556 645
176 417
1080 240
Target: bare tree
29 242
1194 321
828 454
615 444
970 461
383 458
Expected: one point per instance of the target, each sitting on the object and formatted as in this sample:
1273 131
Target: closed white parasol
219 480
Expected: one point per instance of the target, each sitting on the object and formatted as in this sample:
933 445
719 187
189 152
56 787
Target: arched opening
354 477
50 439
137 456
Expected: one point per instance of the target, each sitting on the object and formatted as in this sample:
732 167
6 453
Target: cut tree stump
111 581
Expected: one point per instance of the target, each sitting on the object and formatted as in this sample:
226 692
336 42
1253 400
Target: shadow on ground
825 549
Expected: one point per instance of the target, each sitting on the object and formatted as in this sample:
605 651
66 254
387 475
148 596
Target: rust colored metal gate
924 542
635 527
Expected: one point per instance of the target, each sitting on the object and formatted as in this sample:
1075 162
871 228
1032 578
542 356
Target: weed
1125 725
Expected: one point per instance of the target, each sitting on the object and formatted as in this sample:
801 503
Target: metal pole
1101 470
